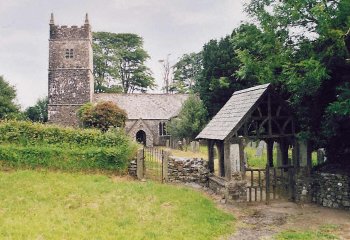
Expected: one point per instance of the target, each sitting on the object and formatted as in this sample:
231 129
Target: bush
26 144
103 116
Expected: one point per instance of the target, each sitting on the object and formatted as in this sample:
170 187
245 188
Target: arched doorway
141 137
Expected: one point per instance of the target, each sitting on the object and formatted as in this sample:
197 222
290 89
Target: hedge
34 145
28 133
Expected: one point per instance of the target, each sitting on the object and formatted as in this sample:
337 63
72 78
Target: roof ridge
258 87
137 94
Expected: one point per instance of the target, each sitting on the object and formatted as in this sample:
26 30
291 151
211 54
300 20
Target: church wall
153 126
64 115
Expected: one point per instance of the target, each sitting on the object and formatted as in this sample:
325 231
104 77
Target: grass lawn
325 232
52 205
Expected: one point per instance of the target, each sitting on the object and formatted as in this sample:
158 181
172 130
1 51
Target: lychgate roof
232 113
144 105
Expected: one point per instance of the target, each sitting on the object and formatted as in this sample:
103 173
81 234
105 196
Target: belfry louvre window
69 53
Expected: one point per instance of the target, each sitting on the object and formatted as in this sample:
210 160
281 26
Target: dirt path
264 221
261 221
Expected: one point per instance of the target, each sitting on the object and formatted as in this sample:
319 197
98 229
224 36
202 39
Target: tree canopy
119 63
38 112
8 107
299 47
186 72
190 121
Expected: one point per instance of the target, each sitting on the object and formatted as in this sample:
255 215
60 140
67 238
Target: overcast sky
167 26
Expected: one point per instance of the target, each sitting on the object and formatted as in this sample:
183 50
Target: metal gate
154 159
270 183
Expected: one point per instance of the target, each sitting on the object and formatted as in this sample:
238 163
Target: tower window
69 53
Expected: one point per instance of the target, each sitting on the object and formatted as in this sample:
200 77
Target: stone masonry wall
152 125
188 170
73 32
331 190
64 115
326 189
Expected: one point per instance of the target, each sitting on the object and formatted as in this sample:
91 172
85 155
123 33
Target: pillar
211 155
140 164
269 148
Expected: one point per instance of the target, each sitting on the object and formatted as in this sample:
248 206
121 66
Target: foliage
8 108
299 47
26 144
85 206
186 72
337 125
119 63
190 121
103 116
38 112
217 80
304 41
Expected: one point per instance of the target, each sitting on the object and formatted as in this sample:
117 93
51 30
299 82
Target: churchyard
245 136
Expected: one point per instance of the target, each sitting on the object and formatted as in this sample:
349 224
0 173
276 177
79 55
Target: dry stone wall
331 190
188 170
326 189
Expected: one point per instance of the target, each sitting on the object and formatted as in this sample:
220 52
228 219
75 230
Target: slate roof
146 105
232 113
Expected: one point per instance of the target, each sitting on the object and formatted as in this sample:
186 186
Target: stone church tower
71 81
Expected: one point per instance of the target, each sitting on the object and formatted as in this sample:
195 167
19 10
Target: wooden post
284 152
269 147
140 164
221 153
211 156
295 155
165 159
267 176
269 164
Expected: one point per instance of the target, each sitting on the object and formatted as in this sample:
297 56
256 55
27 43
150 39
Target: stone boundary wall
331 190
188 170
326 189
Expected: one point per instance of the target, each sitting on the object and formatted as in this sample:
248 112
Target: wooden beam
211 155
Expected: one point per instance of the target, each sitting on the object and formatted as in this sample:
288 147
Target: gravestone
321 155
197 146
279 154
303 154
193 146
260 149
167 143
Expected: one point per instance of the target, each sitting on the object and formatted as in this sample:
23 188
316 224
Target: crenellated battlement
74 32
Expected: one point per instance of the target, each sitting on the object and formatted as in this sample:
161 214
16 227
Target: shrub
36 145
103 116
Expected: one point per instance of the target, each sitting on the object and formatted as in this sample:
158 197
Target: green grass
47 205
260 162
325 232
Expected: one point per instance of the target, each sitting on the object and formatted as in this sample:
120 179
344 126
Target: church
71 84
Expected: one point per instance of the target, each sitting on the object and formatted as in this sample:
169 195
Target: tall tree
186 72
38 112
119 63
218 79
190 121
167 81
8 107
301 49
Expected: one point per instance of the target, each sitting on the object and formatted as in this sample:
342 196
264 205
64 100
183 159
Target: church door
141 137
